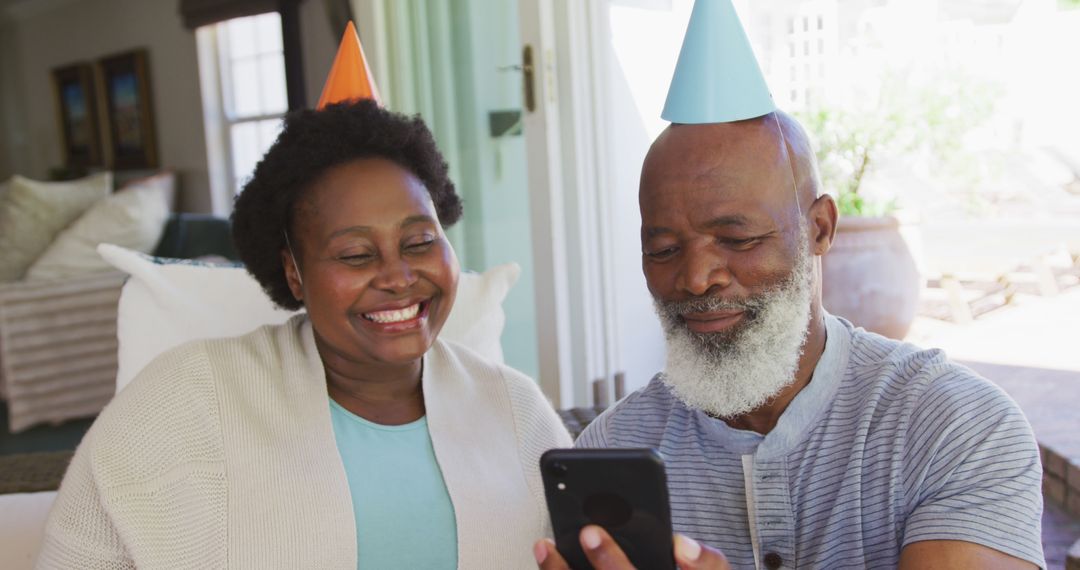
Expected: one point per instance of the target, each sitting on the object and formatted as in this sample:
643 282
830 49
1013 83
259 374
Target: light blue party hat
717 78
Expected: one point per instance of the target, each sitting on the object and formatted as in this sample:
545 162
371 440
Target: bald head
803 161
774 148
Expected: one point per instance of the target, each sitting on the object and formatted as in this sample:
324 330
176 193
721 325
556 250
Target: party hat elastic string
791 164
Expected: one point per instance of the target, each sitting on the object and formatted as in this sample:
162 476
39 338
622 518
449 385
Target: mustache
706 303
752 305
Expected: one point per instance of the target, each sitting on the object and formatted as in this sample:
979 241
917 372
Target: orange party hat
350 77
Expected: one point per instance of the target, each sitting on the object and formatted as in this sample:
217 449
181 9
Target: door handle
528 75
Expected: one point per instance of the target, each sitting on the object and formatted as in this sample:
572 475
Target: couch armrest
58 347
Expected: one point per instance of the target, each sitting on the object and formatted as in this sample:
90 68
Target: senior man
791 438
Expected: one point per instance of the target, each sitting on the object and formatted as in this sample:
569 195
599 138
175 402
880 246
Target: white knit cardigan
221 454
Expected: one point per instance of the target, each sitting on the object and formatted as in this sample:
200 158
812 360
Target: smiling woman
346 436
380 281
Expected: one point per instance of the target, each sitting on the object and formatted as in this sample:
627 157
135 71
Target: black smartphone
622 490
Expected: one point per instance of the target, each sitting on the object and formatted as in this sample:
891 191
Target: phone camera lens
558 469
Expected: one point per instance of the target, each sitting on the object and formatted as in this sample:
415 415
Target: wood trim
293 52
198 13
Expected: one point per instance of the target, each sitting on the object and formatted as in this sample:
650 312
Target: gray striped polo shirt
887 445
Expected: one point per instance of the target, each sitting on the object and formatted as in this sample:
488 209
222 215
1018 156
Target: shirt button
773 561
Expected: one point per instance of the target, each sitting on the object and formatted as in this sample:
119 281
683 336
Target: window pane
245 88
241 34
245 150
272 80
252 80
268 131
268 32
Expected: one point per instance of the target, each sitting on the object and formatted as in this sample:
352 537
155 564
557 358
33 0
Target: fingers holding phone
613 498
609 510
599 549
604 553
690 555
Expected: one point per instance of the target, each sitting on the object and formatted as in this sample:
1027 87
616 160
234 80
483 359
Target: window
252 68
242 68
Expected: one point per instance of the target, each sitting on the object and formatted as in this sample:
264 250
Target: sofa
58 299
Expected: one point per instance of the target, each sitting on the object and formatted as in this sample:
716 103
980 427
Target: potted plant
869 275
916 126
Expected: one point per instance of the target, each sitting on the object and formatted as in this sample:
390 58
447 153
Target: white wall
319 45
66 32
45 34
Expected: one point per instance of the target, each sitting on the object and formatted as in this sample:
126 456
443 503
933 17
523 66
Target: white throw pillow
477 319
32 213
166 303
132 217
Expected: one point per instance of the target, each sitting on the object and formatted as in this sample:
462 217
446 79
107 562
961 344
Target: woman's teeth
395 316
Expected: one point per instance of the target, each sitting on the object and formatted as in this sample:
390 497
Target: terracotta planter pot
869 276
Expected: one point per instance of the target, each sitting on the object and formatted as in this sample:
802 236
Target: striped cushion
58 348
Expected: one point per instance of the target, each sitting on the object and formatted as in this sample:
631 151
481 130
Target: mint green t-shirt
404 518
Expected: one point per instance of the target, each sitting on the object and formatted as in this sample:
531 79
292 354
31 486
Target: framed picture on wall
129 116
73 86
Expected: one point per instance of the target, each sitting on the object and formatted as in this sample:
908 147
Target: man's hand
604 554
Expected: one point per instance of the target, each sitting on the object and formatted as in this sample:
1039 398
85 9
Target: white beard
730 374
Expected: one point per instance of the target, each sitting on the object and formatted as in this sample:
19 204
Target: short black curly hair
312 142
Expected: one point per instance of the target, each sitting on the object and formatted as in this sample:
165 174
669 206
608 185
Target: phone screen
622 490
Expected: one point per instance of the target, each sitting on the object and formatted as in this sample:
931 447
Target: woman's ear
292 274
823 216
